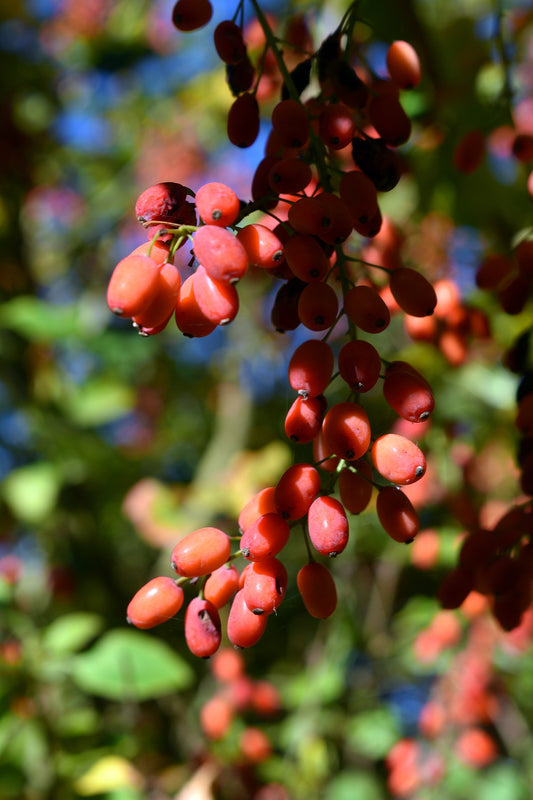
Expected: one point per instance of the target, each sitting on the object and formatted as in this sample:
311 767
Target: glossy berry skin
355 488
296 490
311 367
228 41
398 459
265 537
244 627
203 630
154 603
261 503
328 526
221 253
413 292
359 365
304 418
201 552
217 300
243 120
133 285
263 247
190 319
396 514
408 393
317 589
265 585
347 430
217 204
221 585
403 64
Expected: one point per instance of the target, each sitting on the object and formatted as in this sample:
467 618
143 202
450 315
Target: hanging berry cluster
327 159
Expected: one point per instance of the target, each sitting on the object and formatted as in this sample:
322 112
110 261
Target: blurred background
113 446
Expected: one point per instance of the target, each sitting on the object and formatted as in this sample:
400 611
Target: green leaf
38 320
354 784
31 491
98 401
71 632
372 733
130 665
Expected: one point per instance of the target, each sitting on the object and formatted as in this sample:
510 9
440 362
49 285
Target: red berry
398 459
265 585
265 537
243 120
359 365
262 246
244 627
355 487
189 15
311 367
396 514
203 631
201 552
217 204
403 65
296 490
155 602
261 503
221 585
328 526
133 285
217 300
317 589
161 202
347 430
221 253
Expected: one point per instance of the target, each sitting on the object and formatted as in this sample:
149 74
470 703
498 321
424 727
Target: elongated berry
346 430
413 292
217 204
263 247
244 627
221 253
200 552
396 514
261 503
359 365
265 585
311 367
217 300
203 631
355 487
265 537
221 585
296 490
317 589
133 285
154 603
328 526
398 459
304 418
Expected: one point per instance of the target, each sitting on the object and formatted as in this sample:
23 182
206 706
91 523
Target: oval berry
328 526
265 537
203 630
398 459
296 490
346 430
201 552
317 589
244 627
155 602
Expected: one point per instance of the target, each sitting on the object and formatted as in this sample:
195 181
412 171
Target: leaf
38 320
130 665
31 491
71 632
98 401
373 733
108 773
353 784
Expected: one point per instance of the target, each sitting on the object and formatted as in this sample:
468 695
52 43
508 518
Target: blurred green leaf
71 632
31 491
352 784
38 320
372 733
130 665
98 401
